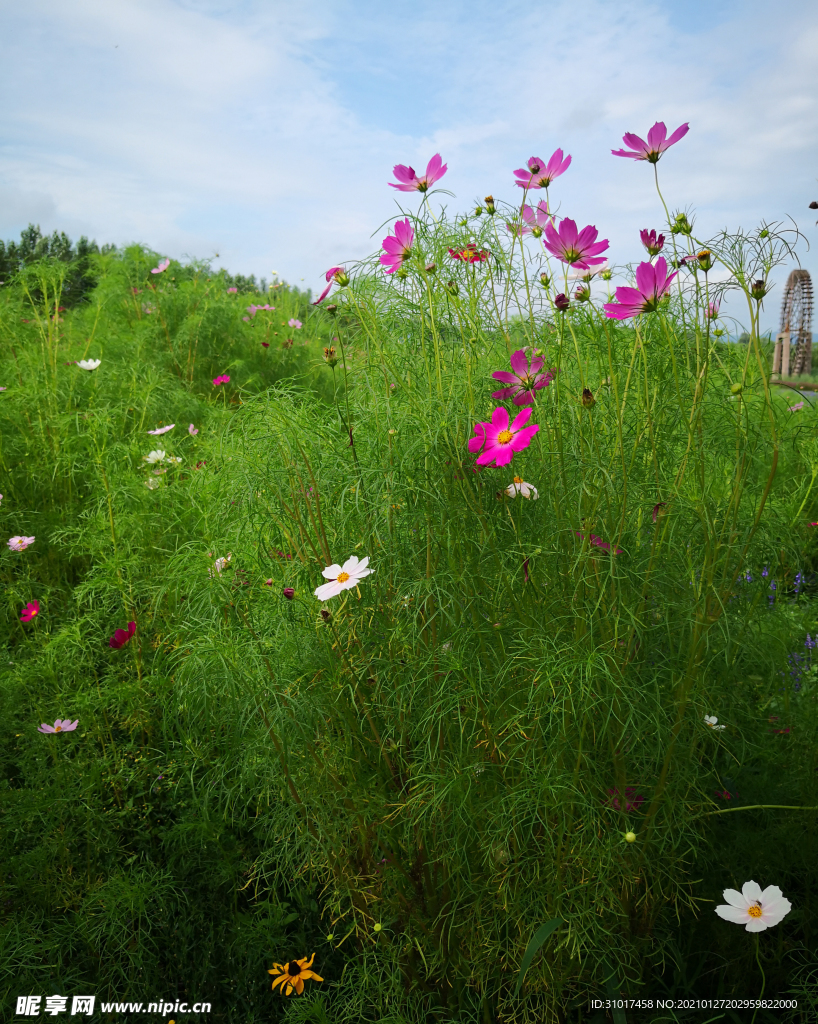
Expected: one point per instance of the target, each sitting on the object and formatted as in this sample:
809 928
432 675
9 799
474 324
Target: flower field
438 649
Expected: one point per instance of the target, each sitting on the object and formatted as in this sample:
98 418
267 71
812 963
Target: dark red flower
470 254
289 593
122 636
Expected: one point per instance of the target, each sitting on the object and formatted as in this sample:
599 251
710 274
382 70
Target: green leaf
534 943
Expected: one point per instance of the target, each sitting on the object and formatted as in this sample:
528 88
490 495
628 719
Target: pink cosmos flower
598 542
295 324
398 246
122 636
657 143
795 408
61 725
539 174
31 610
633 800
753 907
501 440
408 181
223 379
470 254
518 229
652 282
537 219
193 430
579 248
19 543
652 242
712 310
163 265
162 430
335 275
524 379
232 291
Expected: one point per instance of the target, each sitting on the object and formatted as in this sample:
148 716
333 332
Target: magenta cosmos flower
122 636
652 242
501 440
398 246
652 282
19 543
537 219
61 725
335 275
540 174
408 181
31 610
579 248
598 542
657 143
525 378
223 379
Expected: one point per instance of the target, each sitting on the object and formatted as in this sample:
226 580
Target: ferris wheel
795 333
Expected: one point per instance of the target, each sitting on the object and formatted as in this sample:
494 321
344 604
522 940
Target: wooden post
781 357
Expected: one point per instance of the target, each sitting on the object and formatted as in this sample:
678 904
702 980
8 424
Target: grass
412 778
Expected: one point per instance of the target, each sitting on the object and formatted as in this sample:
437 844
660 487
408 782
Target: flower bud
478 211
705 259
378 928
289 593
331 309
489 201
813 205
681 225
606 274
326 615
329 356
536 231
545 280
758 290
341 277
630 837
718 332
562 302
431 268
402 274
583 293
451 288
588 399
764 233
735 389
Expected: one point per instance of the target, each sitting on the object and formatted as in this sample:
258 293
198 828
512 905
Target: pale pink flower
342 577
163 265
652 282
524 379
162 430
61 725
795 408
20 543
537 219
295 324
526 490
539 174
408 181
398 246
657 143
232 291
192 430
756 908
579 248
501 439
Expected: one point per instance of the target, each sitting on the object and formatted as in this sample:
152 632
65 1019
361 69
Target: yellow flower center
754 911
518 479
58 728
343 577
504 436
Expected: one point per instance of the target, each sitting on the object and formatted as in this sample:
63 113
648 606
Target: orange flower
292 975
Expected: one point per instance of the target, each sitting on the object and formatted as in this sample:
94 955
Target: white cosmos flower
156 456
711 720
342 577
519 486
220 563
753 907
88 364
162 430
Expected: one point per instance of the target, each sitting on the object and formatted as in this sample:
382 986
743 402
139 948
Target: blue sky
266 131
